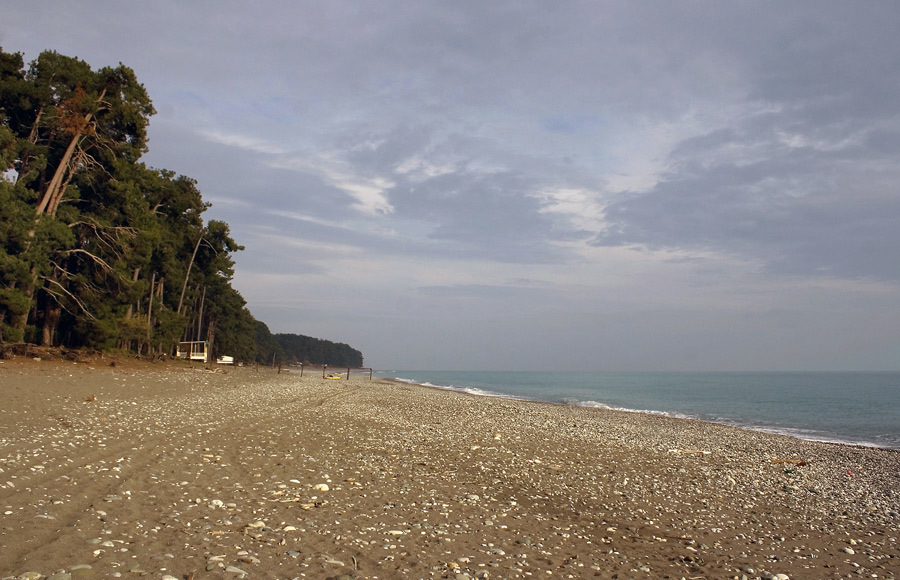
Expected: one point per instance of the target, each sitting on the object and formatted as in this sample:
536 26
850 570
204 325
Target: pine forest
98 250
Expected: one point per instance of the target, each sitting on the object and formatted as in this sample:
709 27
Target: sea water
860 408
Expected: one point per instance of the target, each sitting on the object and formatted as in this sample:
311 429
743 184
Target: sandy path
171 471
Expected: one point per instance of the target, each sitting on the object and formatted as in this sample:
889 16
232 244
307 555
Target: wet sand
172 471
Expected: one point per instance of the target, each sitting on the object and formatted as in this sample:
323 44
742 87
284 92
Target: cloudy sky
534 185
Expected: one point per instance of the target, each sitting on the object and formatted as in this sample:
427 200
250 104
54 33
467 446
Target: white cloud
245 142
368 191
582 207
418 169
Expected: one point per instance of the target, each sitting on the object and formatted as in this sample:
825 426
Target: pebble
465 517
82 571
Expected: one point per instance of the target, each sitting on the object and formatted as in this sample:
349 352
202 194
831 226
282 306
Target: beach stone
60 576
849 550
30 576
82 571
235 570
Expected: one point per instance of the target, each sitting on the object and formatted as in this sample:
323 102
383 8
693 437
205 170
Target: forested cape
305 349
296 348
97 249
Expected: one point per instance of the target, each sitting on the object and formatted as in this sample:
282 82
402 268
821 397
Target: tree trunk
200 313
150 311
21 322
54 203
61 170
188 273
211 338
134 278
55 189
52 314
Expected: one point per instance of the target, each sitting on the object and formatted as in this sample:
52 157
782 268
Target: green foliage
267 347
305 349
94 246
99 250
15 262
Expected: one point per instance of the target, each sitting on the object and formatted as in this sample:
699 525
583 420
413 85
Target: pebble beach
118 468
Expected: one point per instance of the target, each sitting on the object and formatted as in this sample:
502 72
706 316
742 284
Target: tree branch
69 294
96 259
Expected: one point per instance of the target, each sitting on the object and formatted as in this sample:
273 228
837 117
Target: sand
172 471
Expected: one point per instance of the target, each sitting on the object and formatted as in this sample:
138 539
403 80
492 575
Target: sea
855 408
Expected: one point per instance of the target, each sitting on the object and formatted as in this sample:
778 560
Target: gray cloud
660 173
807 183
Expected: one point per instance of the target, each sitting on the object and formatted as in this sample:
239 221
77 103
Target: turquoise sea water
860 408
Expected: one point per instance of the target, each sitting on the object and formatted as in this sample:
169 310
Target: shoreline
795 432
168 470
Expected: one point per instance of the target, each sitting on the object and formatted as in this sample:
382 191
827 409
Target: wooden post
150 310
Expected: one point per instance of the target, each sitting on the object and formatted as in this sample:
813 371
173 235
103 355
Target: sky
517 185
